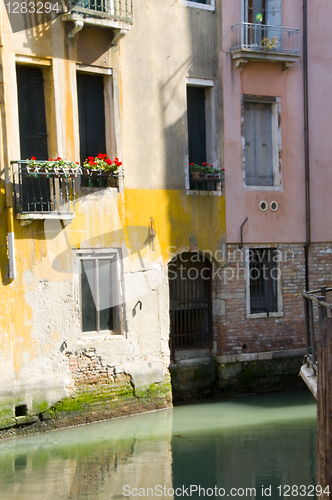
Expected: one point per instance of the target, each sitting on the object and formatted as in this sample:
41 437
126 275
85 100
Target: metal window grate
263 275
190 302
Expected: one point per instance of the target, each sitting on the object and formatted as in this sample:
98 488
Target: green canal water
246 447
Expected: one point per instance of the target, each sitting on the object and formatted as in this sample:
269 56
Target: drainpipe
241 231
306 142
8 183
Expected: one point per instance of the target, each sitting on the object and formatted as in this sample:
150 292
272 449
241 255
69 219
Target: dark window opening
99 293
256 11
21 411
190 302
33 136
196 124
91 114
264 275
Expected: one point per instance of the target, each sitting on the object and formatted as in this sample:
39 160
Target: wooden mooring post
324 407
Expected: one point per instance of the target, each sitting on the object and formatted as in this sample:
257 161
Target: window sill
45 215
203 193
99 336
262 188
264 315
202 6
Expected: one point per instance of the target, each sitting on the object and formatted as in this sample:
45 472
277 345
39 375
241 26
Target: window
262 14
202 134
265 12
91 114
190 302
263 282
99 291
35 193
201 4
196 124
261 141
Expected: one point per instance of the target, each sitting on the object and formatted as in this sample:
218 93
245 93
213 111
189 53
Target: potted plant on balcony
205 172
101 165
52 168
269 43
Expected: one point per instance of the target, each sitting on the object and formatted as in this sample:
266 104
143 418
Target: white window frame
277 314
210 6
99 254
211 132
276 141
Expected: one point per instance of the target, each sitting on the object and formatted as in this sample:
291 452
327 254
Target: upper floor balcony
262 42
47 189
114 14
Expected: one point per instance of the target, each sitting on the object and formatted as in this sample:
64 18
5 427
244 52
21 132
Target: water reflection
256 441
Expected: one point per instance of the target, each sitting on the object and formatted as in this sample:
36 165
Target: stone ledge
282 354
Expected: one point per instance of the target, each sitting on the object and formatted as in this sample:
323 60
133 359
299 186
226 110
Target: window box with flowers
205 177
101 171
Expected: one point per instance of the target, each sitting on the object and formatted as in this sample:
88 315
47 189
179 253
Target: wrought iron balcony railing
44 191
117 10
265 42
48 190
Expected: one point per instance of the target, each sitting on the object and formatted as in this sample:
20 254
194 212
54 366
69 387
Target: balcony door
91 114
35 192
32 116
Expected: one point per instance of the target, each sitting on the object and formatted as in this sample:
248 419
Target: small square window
99 291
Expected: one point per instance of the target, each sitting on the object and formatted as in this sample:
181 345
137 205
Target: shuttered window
258 144
99 292
91 113
35 193
32 116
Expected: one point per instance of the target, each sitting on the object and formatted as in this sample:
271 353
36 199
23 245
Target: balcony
114 14
44 191
41 193
261 42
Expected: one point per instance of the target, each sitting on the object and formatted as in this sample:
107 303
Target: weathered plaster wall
40 314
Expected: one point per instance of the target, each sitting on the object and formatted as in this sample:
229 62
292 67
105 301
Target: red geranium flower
33 157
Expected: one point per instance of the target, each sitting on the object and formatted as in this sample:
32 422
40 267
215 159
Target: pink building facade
277 228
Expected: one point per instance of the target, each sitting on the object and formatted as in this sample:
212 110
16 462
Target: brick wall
234 332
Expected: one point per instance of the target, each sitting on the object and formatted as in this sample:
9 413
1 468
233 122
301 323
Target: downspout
306 143
8 183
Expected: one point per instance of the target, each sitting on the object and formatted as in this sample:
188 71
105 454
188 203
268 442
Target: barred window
264 280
